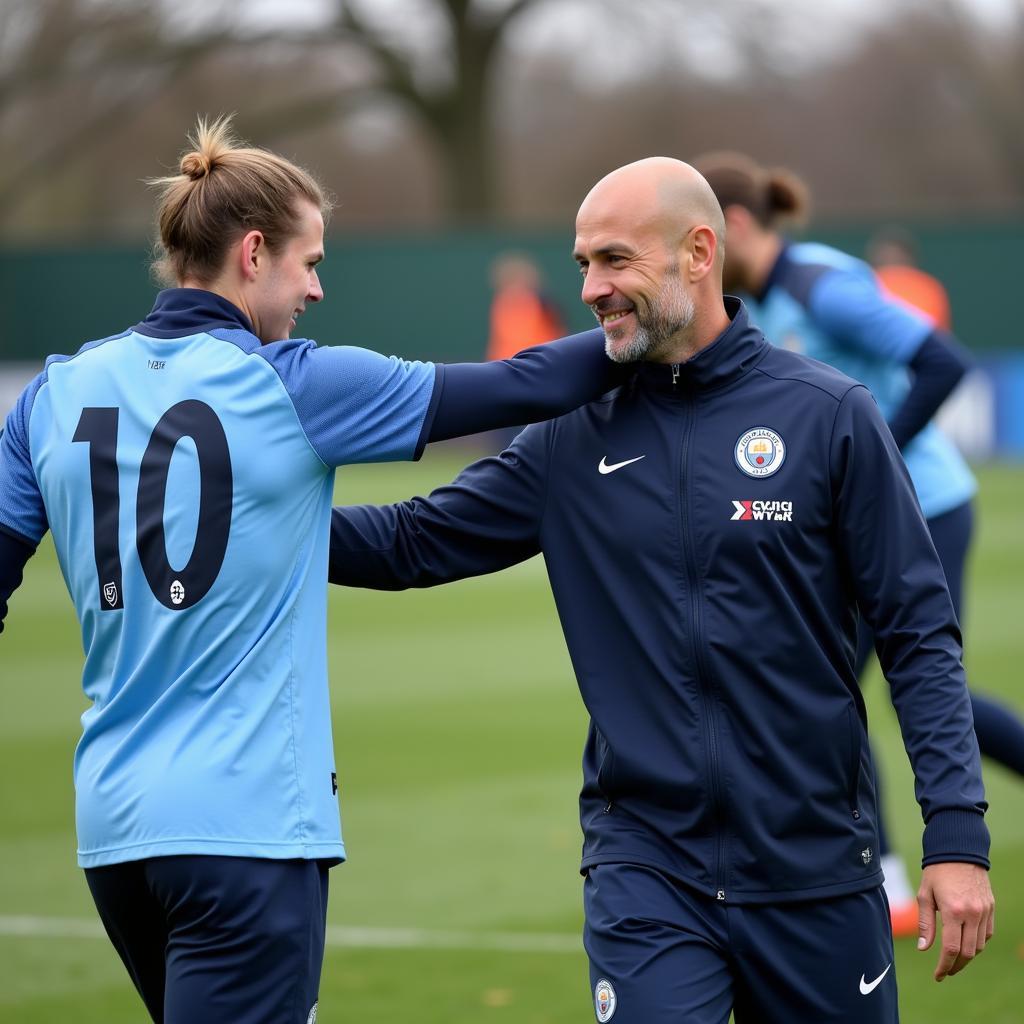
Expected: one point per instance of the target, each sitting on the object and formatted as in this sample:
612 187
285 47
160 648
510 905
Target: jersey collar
181 312
727 358
778 271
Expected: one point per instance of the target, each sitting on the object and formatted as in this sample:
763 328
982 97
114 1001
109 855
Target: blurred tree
82 66
455 105
477 110
73 72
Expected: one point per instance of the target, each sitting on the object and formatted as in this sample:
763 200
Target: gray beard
671 313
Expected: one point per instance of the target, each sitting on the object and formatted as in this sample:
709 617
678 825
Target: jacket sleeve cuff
956 835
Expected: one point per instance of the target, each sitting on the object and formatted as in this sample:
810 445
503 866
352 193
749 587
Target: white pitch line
51 928
423 938
337 935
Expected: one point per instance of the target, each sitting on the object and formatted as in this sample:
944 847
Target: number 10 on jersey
176 589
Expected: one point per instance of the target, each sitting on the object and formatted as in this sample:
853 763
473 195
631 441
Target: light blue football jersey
186 472
827 305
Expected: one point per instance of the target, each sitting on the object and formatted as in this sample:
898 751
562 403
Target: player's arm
14 553
901 591
537 384
854 309
936 367
22 514
487 519
359 406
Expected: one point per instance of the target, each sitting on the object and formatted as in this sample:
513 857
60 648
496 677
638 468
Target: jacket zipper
703 676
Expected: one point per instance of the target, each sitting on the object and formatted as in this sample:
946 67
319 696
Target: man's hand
961 893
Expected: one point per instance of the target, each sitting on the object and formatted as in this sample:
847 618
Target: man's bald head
649 245
657 193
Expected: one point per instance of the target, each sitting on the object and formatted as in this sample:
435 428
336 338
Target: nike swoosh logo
867 987
605 469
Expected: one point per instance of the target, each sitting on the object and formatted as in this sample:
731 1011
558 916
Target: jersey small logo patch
760 452
604 1000
780 511
311 1019
110 594
867 855
177 592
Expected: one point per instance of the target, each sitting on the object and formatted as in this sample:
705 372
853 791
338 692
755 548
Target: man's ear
251 254
702 245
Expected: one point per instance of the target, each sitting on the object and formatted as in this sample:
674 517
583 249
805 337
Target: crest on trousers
604 1000
760 452
110 593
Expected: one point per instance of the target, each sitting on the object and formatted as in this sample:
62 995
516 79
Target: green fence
426 295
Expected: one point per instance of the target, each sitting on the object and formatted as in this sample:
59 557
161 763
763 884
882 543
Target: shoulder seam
258 353
835 420
817 387
89 346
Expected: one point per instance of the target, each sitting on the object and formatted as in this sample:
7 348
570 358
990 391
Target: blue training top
209 730
827 305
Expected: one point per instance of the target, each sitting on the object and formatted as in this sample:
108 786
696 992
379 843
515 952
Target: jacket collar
726 359
180 312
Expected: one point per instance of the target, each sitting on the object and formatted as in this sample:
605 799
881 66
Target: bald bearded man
710 529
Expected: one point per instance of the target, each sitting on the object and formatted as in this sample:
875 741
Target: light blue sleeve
21 503
354 405
852 309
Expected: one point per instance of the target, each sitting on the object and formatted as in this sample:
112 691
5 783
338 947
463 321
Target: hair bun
787 194
196 165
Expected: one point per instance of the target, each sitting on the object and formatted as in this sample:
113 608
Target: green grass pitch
458 731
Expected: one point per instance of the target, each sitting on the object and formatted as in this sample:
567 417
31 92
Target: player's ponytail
222 190
786 197
771 196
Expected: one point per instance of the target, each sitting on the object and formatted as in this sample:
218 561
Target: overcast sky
306 13
704 37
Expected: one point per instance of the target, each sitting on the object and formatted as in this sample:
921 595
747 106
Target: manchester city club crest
604 1000
760 452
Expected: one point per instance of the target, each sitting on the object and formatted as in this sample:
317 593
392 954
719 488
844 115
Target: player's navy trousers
661 953
214 939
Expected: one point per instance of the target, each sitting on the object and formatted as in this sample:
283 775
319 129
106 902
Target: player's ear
252 252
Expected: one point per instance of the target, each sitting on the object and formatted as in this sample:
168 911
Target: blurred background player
185 468
893 254
521 315
827 304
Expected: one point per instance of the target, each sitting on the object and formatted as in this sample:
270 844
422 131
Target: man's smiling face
631 277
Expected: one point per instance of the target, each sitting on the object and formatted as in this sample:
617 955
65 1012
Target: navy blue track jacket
709 530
